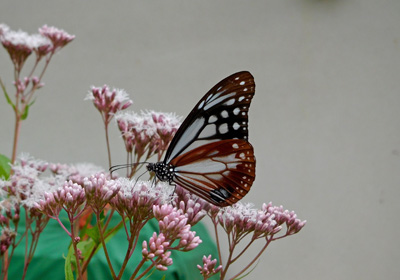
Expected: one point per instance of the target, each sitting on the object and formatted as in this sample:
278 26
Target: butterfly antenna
137 179
126 165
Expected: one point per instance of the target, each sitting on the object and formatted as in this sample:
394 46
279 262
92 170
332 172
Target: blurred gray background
324 123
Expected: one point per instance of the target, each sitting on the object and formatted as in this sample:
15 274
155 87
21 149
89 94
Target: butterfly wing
220 172
221 114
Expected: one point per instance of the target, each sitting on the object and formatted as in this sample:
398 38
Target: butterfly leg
173 192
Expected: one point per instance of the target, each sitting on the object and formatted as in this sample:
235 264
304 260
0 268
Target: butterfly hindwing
220 172
221 114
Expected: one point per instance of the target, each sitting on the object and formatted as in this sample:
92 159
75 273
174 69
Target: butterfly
210 155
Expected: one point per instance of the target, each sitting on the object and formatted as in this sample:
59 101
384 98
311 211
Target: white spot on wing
201 105
236 111
224 114
223 128
236 126
230 102
212 119
242 83
241 98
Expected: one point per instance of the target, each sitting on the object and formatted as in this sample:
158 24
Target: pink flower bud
58 37
208 269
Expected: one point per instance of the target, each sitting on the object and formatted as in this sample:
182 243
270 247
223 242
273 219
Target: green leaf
102 217
5 167
69 261
86 248
94 234
94 241
9 101
26 111
6 94
25 114
113 233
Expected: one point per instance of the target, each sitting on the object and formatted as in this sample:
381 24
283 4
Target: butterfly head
164 172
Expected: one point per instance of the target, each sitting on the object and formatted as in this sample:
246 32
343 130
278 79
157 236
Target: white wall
325 121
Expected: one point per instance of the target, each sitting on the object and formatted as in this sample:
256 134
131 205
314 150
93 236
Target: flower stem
16 136
253 261
144 272
241 253
137 268
127 256
229 261
74 244
104 245
108 144
94 250
218 245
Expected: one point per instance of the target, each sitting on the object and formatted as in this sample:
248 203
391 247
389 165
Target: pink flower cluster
166 125
58 37
157 251
109 101
208 269
284 217
99 190
20 44
27 182
75 172
70 197
173 226
148 132
95 191
135 199
193 207
6 239
241 219
10 212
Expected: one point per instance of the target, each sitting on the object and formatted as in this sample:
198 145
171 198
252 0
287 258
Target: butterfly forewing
221 114
220 172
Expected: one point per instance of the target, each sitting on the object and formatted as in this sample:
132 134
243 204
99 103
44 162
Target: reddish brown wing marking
221 172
